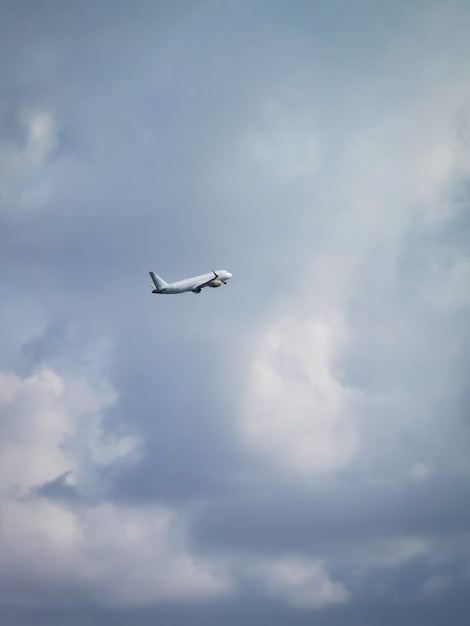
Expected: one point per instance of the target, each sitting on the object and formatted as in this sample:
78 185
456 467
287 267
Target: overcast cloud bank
293 446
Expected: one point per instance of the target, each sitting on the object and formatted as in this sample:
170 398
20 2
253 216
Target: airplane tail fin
157 282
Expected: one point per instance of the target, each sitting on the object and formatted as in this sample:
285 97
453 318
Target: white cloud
114 554
140 555
23 165
33 426
419 472
300 582
383 182
296 414
40 141
49 420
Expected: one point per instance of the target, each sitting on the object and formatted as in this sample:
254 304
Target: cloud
55 424
107 555
267 450
448 286
392 551
437 584
51 428
419 471
23 162
141 556
302 583
286 151
297 415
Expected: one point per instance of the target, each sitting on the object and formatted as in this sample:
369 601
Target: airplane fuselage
195 283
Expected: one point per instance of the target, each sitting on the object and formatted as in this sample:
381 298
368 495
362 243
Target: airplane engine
216 283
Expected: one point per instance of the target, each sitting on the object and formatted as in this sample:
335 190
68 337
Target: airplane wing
207 282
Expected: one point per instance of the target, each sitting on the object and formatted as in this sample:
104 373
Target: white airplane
194 284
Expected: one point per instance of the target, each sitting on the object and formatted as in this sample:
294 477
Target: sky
292 448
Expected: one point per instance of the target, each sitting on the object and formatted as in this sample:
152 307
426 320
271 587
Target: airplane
194 284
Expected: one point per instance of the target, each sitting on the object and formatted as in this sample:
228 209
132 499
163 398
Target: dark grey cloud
57 488
318 152
370 611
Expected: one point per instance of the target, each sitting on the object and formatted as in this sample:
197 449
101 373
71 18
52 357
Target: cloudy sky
292 448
